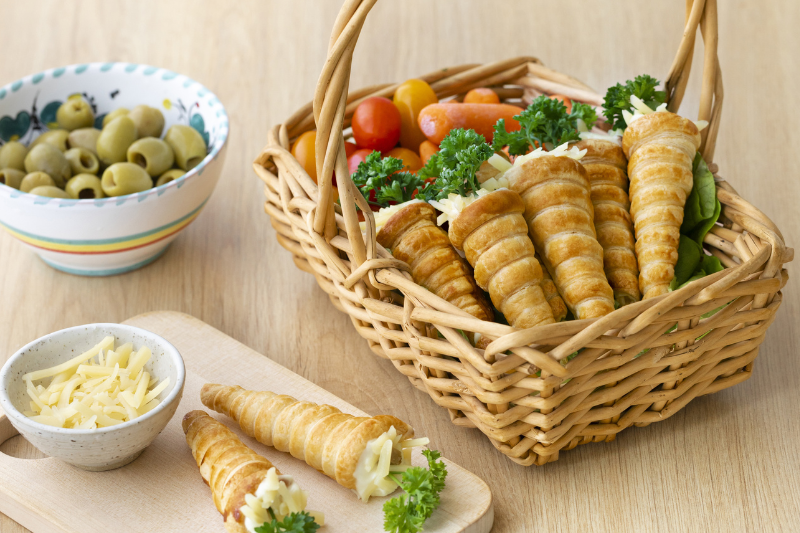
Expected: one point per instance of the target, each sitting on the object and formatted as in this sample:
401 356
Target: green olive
36 179
82 161
153 155
125 178
115 139
85 138
12 155
169 175
75 113
120 111
84 186
49 159
49 191
11 177
57 138
188 145
149 121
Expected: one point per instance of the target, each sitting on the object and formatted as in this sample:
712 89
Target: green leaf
690 255
293 523
702 207
618 98
584 112
407 513
544 123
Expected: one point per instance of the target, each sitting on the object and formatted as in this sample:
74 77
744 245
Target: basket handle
330 102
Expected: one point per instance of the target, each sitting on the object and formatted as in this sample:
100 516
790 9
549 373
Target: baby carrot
426 150
436 120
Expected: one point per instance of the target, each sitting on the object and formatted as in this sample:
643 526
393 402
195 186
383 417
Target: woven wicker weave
638 365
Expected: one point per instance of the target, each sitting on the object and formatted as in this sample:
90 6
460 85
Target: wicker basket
638 365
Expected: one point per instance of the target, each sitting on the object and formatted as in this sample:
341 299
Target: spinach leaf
702 206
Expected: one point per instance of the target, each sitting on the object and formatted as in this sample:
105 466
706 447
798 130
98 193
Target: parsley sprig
382 182
293 523
407 513
618 98
460 156
544 123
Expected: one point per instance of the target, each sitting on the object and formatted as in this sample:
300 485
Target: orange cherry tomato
410 159
426 150
481 95
303 151
357 157
350 148
410 98
566 99
376 124
437 120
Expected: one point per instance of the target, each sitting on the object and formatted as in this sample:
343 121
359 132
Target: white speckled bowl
91 449
103 237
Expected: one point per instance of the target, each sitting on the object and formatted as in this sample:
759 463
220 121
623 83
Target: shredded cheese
614 136
277 493
452 206
641 109
383 215
374 465
89 394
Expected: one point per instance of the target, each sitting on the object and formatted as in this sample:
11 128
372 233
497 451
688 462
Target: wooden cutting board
162 490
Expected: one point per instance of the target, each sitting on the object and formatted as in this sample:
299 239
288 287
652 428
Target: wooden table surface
728 462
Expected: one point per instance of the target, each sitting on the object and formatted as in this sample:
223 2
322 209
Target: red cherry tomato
357 157
350 148
376 124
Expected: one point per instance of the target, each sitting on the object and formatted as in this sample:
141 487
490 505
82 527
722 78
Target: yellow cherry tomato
410 98
303 151
411 161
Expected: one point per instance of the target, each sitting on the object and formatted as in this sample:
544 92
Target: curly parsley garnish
618 98
460 156
382 183
407 513
544 123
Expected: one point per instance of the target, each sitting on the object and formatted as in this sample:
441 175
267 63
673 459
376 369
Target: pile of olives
128 154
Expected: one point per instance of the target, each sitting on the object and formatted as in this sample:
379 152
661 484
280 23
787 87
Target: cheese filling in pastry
382 456
278 494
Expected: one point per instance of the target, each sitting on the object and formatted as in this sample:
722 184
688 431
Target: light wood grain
165 481
728 462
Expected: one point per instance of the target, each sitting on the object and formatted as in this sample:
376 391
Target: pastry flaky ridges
606 168
660 148
493 235
321 435
229 467
560 217
550 291
413 237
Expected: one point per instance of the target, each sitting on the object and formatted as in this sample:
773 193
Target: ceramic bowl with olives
101 165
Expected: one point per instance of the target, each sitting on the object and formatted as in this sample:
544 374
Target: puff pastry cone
493 235
660 148
413 237
244 485
550 291
356 452
560 217
606 168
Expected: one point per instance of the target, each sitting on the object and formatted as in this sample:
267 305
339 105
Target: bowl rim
16 417
148 71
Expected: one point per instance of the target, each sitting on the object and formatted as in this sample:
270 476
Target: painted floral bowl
107 236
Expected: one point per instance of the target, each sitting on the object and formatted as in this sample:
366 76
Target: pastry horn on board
357 452
560 217
660 148
606 167
413 237
245 486
494 237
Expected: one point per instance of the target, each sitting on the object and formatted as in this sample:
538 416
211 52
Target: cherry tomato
357 157
303 151
411 160
376 124
566 99
350 148
481 95
410 97
426 150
